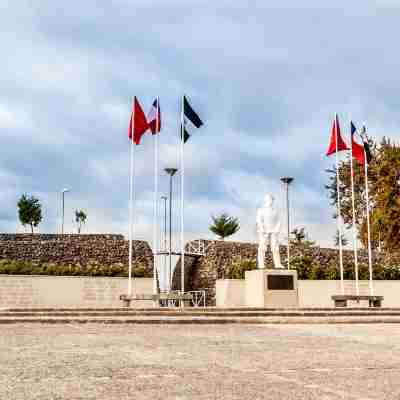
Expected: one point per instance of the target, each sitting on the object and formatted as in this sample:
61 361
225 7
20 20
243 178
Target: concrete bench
342 300
185 297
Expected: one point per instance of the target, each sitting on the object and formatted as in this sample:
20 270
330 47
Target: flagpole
182 202
354 214
371 287
155 215
131 183
338 207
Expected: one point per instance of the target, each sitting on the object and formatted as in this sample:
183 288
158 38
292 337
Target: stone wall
201 273
29 291
75 249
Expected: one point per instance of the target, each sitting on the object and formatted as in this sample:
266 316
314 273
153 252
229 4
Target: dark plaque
280 282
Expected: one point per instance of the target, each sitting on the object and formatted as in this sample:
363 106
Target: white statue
268 228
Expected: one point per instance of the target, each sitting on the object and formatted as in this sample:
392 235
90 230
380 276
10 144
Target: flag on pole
368 158
368 154
356 148
191 115
336 143
154 117
138 124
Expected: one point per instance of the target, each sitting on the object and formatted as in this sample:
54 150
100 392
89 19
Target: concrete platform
230 362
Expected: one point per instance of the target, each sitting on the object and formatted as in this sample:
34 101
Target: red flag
357 151
154 117
335 135
140 124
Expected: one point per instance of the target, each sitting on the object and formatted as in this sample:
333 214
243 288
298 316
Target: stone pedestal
273 288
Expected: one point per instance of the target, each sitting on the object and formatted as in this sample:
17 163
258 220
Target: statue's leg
261 252
275 251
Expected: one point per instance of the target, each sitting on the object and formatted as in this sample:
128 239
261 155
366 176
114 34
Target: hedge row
13 267
307 269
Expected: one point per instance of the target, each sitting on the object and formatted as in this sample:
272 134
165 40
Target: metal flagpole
133 208
164 245
155 216
182 202
286 181
338 207
371 287
131 183
354 214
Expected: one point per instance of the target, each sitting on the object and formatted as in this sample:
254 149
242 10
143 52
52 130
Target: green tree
299 235
384 194
343 239
300 238
29 211
223 225
80 219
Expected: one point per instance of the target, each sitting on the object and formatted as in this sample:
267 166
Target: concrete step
196 309
332 319
204 313
200 316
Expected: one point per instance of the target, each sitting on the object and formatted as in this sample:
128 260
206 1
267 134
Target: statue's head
268 200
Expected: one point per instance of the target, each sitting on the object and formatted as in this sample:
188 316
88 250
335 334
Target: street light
287 180
63 209
171 172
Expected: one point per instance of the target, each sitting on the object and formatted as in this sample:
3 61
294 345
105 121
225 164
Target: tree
29 211
299 235
384 193
224 225
301 238
80 219
343 239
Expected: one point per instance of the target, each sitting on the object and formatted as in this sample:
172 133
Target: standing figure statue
268 228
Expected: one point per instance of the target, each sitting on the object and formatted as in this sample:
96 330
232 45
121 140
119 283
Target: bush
15 267
237 269
304 266
307 269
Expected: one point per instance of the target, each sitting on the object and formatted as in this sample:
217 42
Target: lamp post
287 180
165 198
63 209
171 172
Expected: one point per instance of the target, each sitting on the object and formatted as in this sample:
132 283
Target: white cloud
265 79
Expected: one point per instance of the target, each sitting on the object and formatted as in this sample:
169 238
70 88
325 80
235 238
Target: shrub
15 267
237 269
304 266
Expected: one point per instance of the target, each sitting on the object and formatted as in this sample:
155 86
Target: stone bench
342 300
185 297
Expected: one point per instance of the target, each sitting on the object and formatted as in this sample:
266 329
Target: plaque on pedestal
274 288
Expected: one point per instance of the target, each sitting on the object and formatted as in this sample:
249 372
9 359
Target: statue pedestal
273 288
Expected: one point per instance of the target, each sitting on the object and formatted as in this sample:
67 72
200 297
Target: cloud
266 79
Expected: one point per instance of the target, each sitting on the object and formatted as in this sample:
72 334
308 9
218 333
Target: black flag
367 149
190 114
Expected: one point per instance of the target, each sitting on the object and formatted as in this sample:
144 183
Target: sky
266 77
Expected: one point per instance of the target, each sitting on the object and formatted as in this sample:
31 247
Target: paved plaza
116 362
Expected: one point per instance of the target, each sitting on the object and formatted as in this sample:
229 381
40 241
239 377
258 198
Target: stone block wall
75 249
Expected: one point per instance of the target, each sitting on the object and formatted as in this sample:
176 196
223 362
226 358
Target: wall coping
70 276
229 279
324 280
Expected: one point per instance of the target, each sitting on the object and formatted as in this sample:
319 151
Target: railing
198 299
196 247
